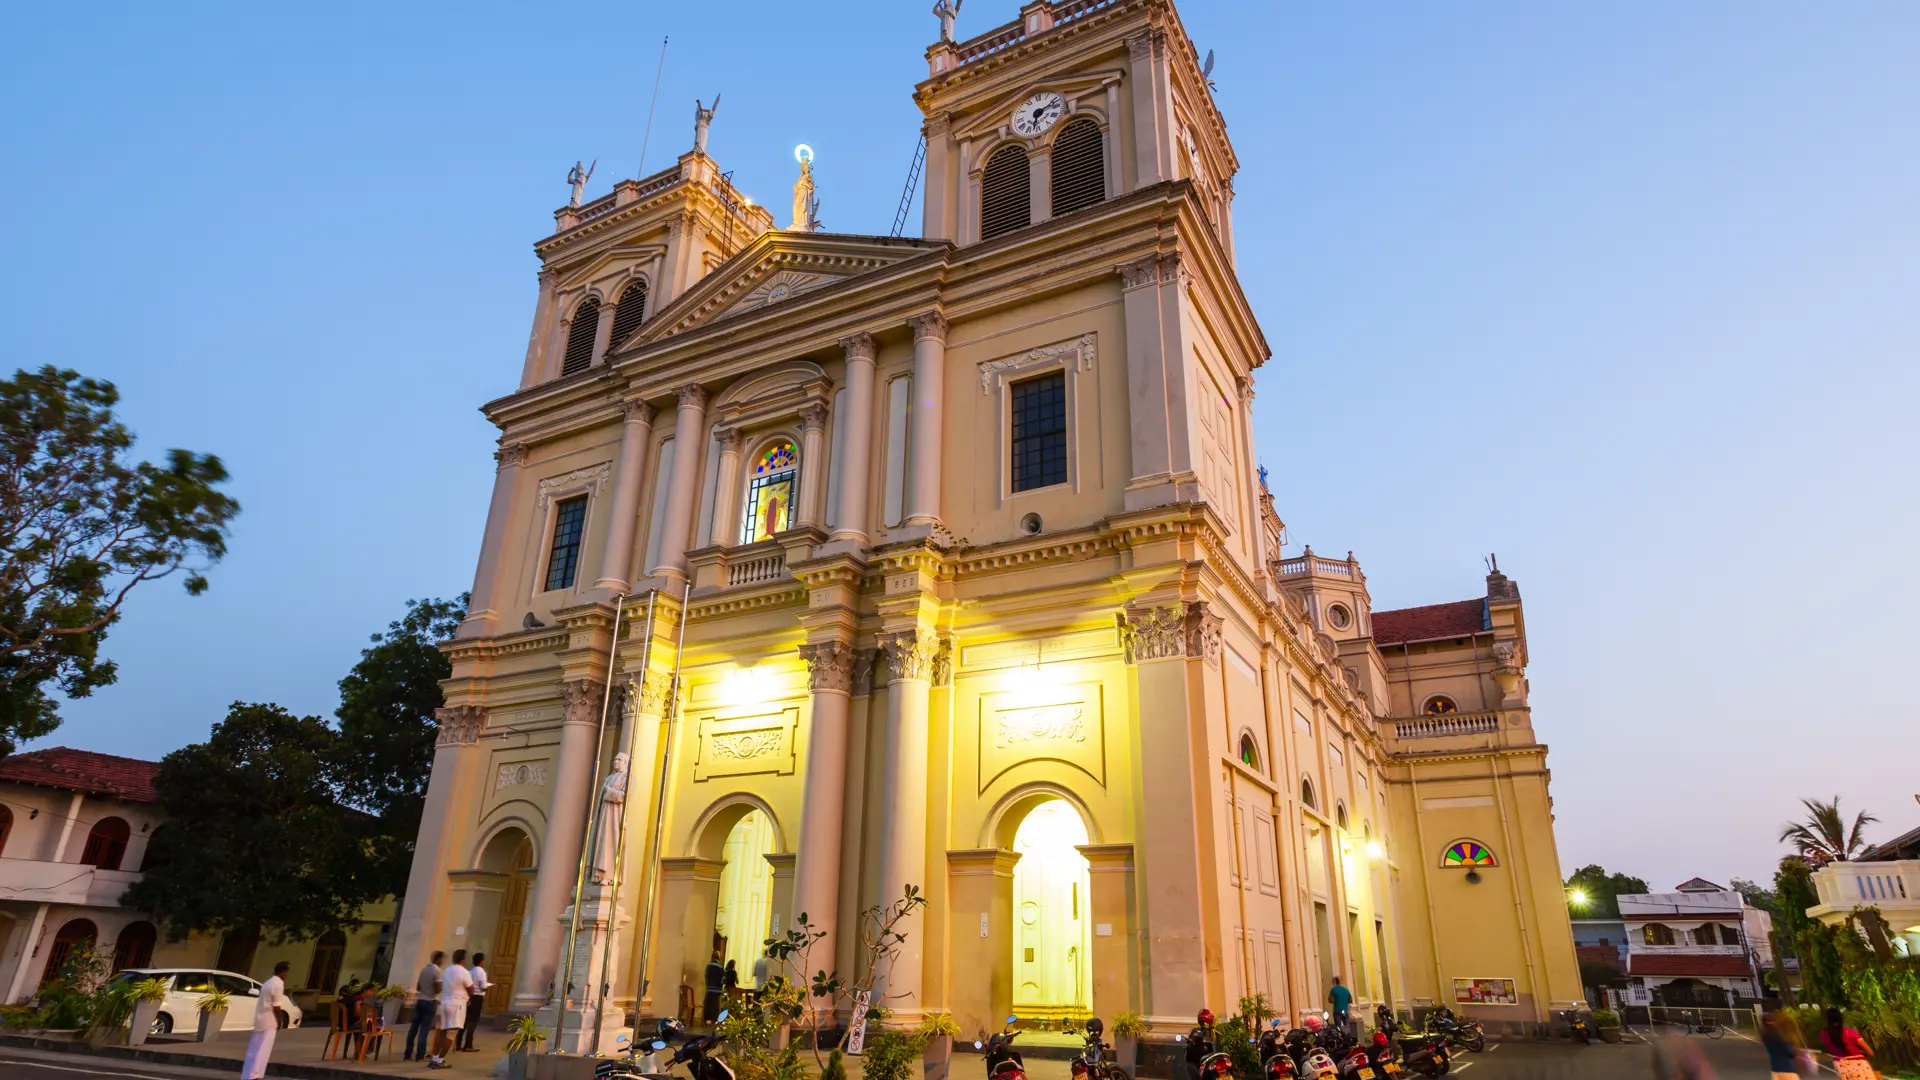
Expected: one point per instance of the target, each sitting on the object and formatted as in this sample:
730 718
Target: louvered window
631 312
586 322
1005 193
1079 167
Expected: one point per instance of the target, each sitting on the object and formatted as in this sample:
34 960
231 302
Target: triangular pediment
613 260
774 270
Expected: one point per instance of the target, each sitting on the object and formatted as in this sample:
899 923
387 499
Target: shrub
836 1067
1604 1018
935 1025
1129 1025
1238 1042
891 1055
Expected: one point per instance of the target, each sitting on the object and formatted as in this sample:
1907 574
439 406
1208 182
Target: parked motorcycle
1579 1026
1092 1063
1425 1054
1466 1033
1205 1059
1003 1061
1276 1061
696 1053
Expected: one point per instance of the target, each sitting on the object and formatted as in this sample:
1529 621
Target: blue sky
1623 293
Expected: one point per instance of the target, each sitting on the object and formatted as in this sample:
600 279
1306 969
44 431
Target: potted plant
1607 1023
146 996
936 1035
391 997
213 1015
1127 1029
112 1007
523 1038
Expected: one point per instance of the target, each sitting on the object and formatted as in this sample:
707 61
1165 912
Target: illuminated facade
987 597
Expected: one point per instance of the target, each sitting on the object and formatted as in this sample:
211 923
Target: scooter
1092 1064
1426 1054
1578 1026
1277 1063
1204 1055
697 1053
1003 1061
1468 1034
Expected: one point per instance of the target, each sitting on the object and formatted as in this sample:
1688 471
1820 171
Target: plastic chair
373 1035
338 1033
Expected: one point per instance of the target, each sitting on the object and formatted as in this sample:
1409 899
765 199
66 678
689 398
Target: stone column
560 848
603 332
980 900
903 823
816 883
1148 154
1116 926
636 439
483 617
855 459
726 489
813 471
926 409
423 923
689 436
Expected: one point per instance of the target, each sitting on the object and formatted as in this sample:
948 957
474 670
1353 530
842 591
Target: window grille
1079 167
586 323
1040 432
569 522
630 313
1005 193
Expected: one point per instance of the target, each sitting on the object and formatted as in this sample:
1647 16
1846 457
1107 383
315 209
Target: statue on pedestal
578 178
806 208
613 800
946 11
703 116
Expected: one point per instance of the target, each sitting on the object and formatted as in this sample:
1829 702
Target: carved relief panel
763 743
1065 725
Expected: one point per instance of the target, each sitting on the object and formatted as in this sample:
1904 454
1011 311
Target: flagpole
648 137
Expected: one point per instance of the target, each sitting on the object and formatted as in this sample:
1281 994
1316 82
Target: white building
1887 877
1699 945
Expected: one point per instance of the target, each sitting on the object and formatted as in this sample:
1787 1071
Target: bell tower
1004 151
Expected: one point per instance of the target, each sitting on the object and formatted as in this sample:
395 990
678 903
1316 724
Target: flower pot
780 1037
390 1012
517 1068
1609 1034
937 1057
211 1023
1126 1052
140 1025
104 1036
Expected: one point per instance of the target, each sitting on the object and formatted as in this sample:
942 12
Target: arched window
586 323
1466 854
1006 193
6 828
1658 934
155 856
75 935
771 482
630 312
1249 752
134 948
1306 795
1440 705
324 973
1079 167
1340 815
106 844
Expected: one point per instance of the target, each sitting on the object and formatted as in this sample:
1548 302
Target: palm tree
1824 836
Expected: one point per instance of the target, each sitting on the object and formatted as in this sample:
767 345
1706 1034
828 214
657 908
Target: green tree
81 527
1758 895
387 727
255 838
1825 836
1600 889
1796 934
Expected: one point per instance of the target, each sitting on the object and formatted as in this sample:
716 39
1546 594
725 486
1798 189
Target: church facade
947 562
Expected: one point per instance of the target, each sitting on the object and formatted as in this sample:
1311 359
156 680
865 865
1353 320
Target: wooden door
507 931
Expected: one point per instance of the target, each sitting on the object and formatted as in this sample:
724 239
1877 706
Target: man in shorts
451 1017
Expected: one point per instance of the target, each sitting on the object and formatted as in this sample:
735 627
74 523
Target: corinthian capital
1185 630
930 325
459 724
863 671
910 654
1139 273
647 695
814 416
511 455
638 412
692 396
858 346
580 701
829 666
728 438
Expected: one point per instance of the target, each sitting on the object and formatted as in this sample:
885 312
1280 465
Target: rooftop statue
946 12
579 178
703 116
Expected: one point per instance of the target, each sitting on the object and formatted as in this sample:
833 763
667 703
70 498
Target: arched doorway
740 919
134 948
510 852
1052 923
68 939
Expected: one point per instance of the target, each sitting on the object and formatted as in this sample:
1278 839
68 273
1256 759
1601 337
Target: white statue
703 116
578 178
805 206
613 800
946 12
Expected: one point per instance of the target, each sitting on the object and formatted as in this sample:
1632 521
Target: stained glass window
1467 853
770 487
1440 705
1249 753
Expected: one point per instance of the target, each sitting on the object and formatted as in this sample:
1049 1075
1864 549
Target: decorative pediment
774 270
615 261
988 119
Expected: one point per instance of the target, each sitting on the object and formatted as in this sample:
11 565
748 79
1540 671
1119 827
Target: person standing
476 1000
266 1023
451 1017
716 981
426 1000
1341 999
1849 1051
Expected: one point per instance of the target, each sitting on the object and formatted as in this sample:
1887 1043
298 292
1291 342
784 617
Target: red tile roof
1685 964
83 770
1462 618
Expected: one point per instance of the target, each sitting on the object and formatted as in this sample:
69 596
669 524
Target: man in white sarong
266 1023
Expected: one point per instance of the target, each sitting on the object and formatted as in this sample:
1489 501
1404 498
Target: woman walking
1849 1051
1781 1037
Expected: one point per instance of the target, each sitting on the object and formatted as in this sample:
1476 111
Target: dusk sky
1626 294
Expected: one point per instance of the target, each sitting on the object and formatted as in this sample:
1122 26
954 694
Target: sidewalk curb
183 1060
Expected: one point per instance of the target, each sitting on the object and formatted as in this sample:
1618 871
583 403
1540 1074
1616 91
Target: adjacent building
1885 876
946 561
1700 945
74 832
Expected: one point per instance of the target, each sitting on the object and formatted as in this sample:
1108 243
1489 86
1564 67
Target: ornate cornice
829 666
1161 267
459 724
910 654
814 416
1187 629
580 701
593 476
639 412
510 455
1081 350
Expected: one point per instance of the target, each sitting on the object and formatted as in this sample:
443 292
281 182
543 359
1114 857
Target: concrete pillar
684 486
646 704
1117 976
926 410
813 466
603 333
560 852
623 517
903 827
816 888
980 906
456 767
483 614
726 489
689 893
533 372
780 895
1147 152
855 458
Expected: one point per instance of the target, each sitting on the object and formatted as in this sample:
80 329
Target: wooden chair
338 1032
373 1035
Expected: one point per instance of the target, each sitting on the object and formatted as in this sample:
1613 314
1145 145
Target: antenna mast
913 181
648 137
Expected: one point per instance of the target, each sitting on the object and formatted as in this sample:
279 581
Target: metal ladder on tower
913 181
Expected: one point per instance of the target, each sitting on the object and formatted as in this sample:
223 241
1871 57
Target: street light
1577 897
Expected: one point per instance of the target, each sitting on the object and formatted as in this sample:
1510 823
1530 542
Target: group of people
1788 1058
446 1008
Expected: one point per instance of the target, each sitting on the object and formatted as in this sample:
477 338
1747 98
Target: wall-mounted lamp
1473 876
35 814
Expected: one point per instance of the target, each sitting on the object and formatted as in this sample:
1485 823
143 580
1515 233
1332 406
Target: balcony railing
946 57
1847 885
1445 727
771 566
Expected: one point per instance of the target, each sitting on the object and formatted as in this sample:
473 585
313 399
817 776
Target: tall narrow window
1079 167
770 486
1040 432
563 564
586 323
1006 193
629 313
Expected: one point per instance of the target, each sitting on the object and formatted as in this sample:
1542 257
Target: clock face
1038 113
